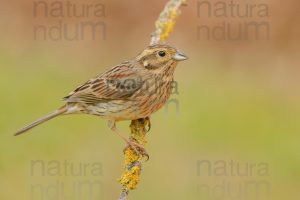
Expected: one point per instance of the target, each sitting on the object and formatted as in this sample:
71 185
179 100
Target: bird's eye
161 53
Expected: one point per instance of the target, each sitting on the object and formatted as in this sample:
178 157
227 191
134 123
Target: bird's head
159 56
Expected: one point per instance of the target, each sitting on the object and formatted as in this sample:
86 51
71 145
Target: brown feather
42 120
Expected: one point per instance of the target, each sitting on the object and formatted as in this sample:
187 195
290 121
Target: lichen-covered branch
166 21
133 160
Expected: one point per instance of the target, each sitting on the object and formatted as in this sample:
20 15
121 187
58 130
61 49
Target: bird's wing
118 83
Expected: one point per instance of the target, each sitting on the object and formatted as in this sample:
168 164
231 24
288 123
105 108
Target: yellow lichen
166 21
168 26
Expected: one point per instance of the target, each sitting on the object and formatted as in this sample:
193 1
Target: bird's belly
119 110
116 110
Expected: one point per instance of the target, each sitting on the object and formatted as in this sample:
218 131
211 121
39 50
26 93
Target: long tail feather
42 120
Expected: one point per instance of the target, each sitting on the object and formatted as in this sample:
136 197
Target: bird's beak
180 56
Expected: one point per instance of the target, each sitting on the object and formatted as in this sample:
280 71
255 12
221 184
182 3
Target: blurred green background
238 101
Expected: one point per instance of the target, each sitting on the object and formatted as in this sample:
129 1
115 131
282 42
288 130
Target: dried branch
133 161
166 21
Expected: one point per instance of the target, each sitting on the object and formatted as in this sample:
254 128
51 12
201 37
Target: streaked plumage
132 90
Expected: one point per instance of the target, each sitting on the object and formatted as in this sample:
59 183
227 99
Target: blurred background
234 135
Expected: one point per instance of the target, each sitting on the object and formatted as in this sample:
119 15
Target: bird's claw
138 149
148 124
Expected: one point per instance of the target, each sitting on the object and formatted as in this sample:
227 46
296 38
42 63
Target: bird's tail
42 120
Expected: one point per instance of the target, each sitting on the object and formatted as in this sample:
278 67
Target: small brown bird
132 90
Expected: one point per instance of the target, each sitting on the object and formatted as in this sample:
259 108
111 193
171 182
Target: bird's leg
139 149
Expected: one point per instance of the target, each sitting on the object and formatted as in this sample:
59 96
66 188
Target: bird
132 90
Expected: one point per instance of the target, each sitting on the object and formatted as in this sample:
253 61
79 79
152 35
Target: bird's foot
137 148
